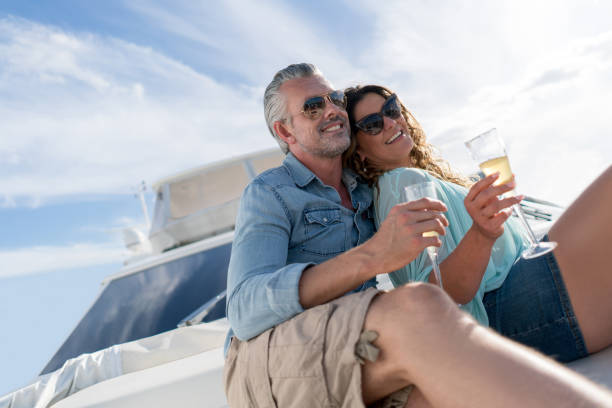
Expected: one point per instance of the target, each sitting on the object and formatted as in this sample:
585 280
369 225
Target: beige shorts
307 361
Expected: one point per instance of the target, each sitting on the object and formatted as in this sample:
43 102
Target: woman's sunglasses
314 107
374 123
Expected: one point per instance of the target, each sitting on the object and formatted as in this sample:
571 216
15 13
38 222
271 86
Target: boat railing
198 315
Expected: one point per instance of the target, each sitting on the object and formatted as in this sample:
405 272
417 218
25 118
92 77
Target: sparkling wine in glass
416 192
489 151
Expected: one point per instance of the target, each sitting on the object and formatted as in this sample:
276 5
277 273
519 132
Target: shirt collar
350 179
302 175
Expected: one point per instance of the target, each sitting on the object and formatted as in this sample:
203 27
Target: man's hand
487 209
400 239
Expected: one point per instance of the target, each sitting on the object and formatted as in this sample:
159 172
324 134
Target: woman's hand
487 209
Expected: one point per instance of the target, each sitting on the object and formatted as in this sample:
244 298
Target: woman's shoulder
408 175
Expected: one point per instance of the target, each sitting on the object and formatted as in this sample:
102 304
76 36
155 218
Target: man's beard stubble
332 146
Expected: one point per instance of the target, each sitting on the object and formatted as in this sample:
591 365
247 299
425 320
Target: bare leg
584 234
426 340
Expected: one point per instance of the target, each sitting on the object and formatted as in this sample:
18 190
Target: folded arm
263 290
398 241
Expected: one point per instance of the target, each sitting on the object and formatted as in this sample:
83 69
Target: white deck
192 382
197 382
184 367
598 367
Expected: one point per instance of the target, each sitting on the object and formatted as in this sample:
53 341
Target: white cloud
251 39
41 259
84 113
87 114
439 53
92 114
552 118
540 73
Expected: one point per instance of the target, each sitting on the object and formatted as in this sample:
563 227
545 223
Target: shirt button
324 219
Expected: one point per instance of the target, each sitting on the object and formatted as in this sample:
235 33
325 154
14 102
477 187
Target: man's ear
285 134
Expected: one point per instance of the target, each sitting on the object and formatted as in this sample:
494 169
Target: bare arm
398 241
464 268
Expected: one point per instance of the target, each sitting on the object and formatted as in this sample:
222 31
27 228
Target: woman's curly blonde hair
421 156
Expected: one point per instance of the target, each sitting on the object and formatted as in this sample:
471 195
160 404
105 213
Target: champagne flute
489 152
416 192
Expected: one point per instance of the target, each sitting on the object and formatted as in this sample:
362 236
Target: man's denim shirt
288 220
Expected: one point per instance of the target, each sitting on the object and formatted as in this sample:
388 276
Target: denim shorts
532 307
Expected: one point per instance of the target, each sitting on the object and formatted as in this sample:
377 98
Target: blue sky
97 96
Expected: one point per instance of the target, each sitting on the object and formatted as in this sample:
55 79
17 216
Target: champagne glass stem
434 261
489 151
530 235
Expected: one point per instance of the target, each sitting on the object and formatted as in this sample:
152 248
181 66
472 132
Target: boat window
148 302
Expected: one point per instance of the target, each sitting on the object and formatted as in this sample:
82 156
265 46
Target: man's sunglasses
314 107
374 123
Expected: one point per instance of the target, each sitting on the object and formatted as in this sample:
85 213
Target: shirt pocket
324 231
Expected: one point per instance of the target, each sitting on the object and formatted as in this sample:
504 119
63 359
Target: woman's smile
396 136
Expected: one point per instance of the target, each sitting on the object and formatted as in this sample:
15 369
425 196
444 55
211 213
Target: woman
559 303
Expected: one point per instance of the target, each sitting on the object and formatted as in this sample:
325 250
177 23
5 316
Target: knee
422 301
414 307
409 319
419 294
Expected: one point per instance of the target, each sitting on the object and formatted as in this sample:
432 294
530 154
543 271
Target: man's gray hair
275 108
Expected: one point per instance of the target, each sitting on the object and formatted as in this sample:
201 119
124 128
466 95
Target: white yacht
154 336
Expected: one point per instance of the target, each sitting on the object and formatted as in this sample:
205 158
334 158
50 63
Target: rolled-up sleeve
262 288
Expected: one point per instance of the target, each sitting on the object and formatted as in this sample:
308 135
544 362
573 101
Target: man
310 328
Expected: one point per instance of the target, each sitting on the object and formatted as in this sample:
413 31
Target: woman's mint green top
506 250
